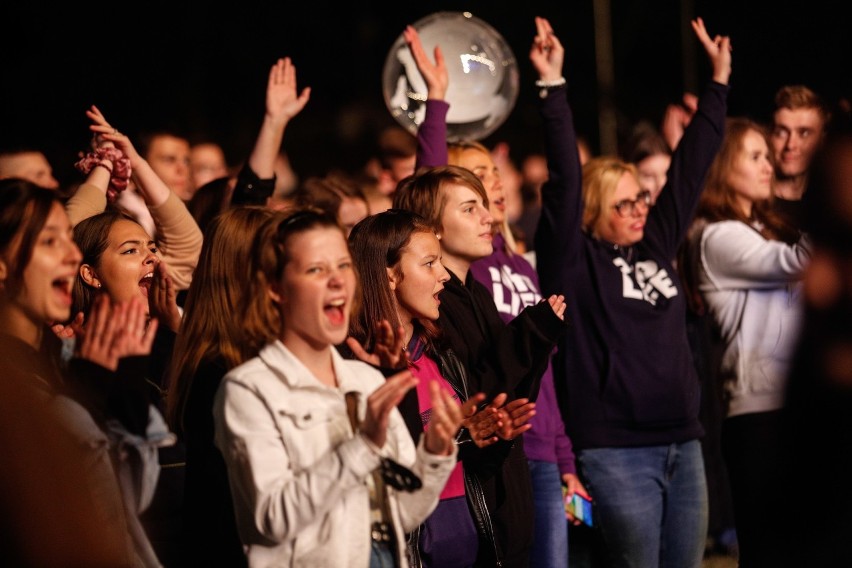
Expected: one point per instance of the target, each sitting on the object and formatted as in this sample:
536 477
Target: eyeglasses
626 207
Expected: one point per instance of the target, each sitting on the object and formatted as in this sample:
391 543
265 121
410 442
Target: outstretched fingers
380 404
445 421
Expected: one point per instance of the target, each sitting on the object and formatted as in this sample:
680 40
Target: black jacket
499 358
454 373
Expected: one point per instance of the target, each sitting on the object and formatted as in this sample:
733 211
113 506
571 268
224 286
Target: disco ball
482 69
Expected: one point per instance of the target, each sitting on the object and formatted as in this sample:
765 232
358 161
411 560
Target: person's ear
275 293
392 278
87 273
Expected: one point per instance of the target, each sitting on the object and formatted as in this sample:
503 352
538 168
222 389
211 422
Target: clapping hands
115 331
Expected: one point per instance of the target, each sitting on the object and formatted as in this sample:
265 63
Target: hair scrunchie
119 174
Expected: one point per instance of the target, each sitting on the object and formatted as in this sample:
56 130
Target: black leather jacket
455 374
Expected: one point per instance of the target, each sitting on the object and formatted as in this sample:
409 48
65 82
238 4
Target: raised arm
674 210
558 238
178 235
547 54
283 102
100 166
256 180
718 50
153 189
432 134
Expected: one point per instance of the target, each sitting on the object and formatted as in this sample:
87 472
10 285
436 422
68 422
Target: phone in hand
578 506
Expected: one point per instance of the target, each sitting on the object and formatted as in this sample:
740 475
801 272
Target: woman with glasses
627 383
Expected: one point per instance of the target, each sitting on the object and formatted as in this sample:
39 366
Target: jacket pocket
653 385
309 430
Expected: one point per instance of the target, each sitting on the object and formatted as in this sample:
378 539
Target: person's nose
487 219
792 142
443 275
73 254
335 279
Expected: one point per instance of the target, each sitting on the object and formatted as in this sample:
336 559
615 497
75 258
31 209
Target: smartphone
578 506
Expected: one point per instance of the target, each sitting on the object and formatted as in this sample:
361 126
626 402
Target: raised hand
282 100
446 420
108 134
718 51
434 74
154 190
676 118
381 402
162 298
388 351
547 53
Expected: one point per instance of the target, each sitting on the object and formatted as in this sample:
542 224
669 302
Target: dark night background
203 67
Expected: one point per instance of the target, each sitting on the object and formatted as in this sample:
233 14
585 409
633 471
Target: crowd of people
419 363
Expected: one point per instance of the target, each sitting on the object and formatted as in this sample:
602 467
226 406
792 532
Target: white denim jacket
297 472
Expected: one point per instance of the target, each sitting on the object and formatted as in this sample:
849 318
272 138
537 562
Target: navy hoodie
623 372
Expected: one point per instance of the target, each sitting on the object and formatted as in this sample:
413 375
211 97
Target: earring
99 285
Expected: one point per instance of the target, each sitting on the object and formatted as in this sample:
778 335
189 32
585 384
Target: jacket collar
292 372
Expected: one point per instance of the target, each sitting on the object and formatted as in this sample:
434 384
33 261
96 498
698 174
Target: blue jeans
381 556
550 539
650 503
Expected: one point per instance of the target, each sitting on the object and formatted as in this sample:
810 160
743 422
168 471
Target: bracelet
546 85
119 173
104 166
550 84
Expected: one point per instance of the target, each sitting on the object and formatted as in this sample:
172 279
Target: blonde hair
454 157
600 180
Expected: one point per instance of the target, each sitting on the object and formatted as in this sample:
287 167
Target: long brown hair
719 200
377 243
213 320
24 209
